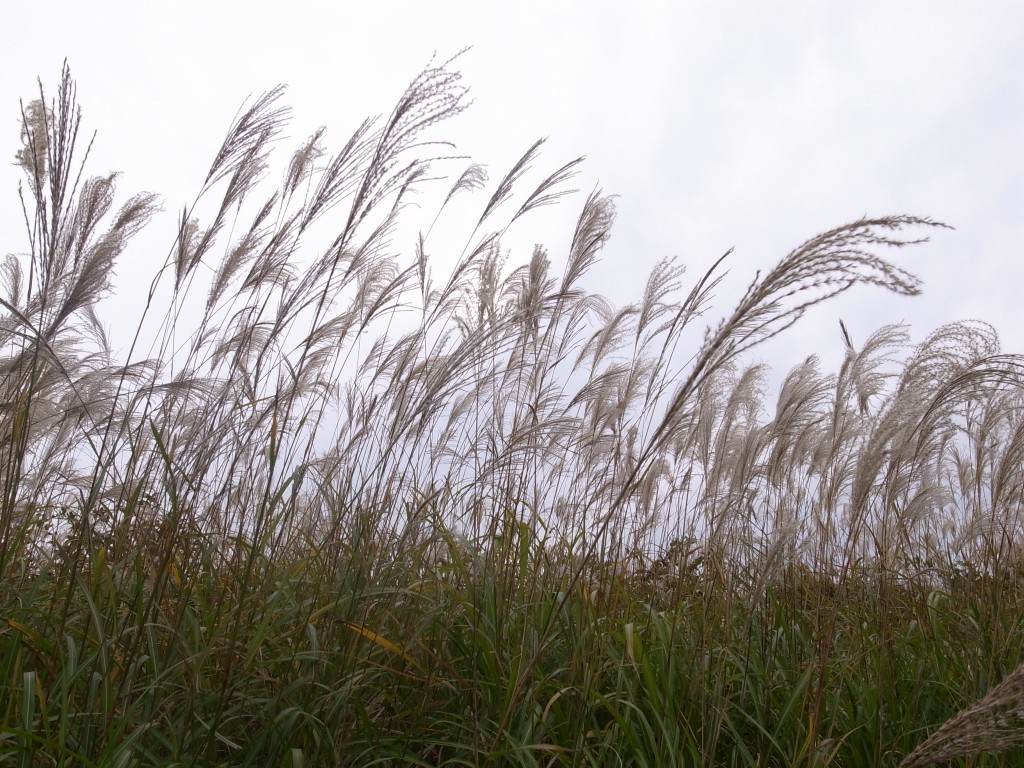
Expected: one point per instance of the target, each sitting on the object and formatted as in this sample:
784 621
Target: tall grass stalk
340 503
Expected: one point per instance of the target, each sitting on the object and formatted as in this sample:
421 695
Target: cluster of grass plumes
345 511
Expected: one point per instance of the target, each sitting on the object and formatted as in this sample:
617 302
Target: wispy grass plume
356 495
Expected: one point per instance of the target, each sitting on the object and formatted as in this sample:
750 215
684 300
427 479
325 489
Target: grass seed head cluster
351 503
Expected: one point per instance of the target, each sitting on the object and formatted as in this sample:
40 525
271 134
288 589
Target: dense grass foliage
345 511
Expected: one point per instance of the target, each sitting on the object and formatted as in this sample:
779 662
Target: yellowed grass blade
382 641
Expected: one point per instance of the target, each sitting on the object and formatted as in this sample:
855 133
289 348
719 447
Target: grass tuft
338 504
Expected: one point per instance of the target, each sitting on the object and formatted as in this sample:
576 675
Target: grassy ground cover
346 511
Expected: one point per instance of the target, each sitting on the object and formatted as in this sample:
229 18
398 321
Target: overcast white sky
749 125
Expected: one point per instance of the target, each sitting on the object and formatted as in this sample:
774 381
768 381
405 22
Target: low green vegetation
344 511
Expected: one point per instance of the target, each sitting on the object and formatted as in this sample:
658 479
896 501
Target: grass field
341 509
